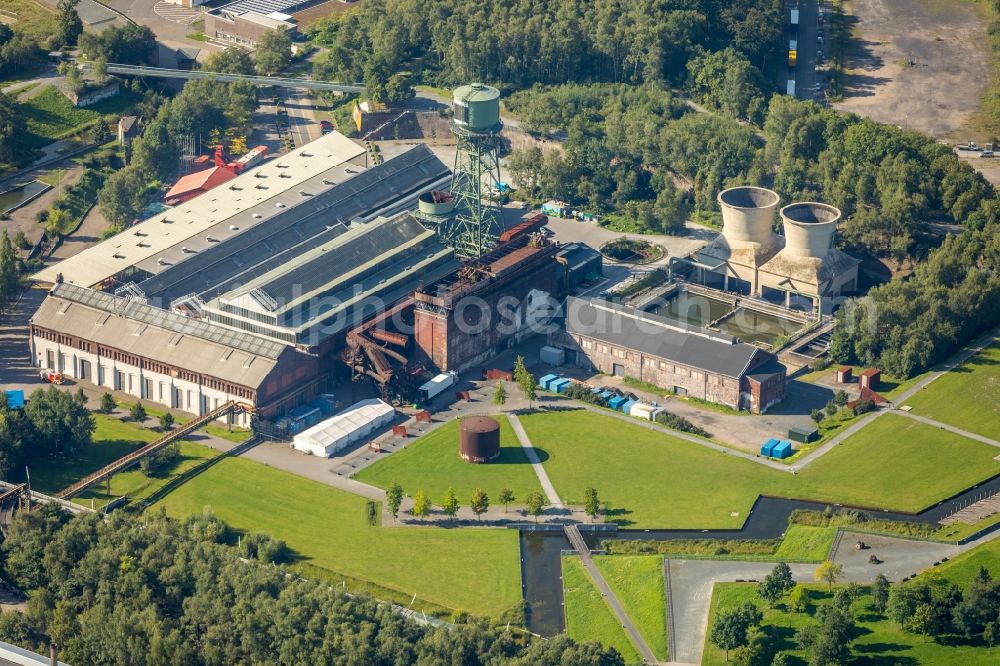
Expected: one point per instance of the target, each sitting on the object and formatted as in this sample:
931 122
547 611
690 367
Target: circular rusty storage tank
480 439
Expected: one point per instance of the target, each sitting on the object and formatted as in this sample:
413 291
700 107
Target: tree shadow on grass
617 516
976 361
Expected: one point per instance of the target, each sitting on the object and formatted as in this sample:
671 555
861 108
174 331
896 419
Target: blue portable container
544 381
768 448
617 401
782 449
627 406
559 385
15 398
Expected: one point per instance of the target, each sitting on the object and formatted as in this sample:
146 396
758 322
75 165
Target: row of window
138 362
654 363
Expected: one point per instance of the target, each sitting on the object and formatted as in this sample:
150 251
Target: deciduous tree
421 505
480 503
506 497
394 498
830 572
449 506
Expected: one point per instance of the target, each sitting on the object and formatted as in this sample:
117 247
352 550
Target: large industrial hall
326 264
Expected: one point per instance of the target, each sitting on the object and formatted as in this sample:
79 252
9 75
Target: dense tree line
180 125
53 424
10 285
905 326
129 44
524 42
163 591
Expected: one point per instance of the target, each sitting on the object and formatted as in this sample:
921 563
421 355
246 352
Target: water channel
18 196
768 519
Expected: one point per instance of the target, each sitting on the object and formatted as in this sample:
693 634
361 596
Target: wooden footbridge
231 408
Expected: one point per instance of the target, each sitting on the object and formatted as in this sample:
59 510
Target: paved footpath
957 360
573 534
949 428
536 464
692 580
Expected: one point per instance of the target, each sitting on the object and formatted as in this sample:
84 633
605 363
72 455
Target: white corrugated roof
175 226
346 424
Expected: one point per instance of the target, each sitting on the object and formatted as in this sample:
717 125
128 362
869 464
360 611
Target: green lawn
137 486
588 616
112 439
650 479
876 640
432 464
964 568
638 583
801 543
959 531
477 570
806 543
968 397
51 116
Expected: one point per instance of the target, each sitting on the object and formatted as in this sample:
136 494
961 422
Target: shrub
863 407
161 459
680 423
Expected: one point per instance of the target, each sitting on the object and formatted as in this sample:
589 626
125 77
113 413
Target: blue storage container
544 381
15 398
559 385
768 448
782 449
617 401
628 406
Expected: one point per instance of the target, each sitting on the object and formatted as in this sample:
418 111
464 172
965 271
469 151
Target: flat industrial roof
177 225
258 245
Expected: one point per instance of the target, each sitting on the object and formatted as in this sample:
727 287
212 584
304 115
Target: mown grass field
962 569
650 479
476 570
588 616
804 543
638 582
877 640
138 486
968 397
432 464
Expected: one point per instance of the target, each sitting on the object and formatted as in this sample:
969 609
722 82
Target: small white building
337 432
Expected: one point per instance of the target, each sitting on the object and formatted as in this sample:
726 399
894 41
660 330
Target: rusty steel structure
481 309
379 353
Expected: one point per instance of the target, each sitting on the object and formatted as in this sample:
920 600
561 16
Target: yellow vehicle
792 58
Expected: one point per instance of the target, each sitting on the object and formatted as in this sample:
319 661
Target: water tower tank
479 439
477 108
809 228
747 213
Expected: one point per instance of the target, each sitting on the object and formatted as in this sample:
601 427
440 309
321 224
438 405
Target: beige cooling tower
809 228
747 214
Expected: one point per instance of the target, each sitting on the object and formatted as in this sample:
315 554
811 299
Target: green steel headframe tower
476 223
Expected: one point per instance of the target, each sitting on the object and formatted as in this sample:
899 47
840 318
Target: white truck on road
795 17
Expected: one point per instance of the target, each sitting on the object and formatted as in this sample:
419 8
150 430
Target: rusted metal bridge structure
230 408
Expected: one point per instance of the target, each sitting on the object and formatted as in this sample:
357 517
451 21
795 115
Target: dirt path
947 44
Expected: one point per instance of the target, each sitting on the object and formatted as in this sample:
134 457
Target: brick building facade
618 340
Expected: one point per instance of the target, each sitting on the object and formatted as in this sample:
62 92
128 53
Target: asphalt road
692 580
805 71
